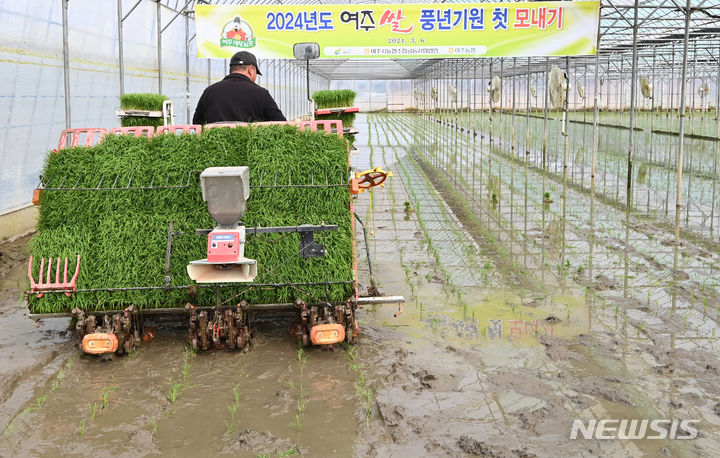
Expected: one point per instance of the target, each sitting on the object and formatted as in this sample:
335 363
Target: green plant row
334 98
122 235
141 101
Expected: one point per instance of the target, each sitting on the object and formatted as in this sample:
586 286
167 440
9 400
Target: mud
491 357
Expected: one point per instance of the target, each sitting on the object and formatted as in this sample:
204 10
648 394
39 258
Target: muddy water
480 363
224 403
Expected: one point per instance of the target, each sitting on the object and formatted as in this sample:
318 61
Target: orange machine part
99 342
36 197
326 334
354 187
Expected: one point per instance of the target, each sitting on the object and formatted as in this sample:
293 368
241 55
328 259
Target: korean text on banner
400 30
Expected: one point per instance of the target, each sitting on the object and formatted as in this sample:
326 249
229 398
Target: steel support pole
545 117
188 118
692 130
158 17
512 117
717 134
66 63
593 154
633 77
628 196
121 62
681 136
652 128
527 111
502 93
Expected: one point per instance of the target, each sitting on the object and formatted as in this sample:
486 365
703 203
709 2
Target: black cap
245 58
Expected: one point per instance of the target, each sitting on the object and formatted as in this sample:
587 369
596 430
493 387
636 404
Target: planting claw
40 287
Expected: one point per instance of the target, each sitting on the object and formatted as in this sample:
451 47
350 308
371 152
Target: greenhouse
480 229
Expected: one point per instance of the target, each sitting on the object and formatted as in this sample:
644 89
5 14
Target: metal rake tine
49 269
65 273
57 269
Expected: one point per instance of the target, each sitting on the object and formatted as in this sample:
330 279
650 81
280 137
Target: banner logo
237 34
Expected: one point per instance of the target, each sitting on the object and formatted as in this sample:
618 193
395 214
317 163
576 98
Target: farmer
237 97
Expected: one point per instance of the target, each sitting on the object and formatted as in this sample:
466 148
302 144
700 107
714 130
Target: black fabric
236 98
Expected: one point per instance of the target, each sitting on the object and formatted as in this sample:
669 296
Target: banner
400 30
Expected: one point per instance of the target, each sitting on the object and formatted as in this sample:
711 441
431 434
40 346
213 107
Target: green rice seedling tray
142 102
122 233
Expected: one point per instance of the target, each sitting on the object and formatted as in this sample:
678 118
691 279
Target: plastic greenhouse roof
660 40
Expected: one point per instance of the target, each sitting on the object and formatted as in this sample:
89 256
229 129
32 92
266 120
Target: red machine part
223 246
99 342
41 286
90 133
187 128
138 131
327 126
94 135
327 111
327 334
368 179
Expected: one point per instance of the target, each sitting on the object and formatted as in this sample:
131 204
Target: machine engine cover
223 246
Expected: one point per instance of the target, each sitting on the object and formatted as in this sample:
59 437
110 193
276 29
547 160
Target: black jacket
236 98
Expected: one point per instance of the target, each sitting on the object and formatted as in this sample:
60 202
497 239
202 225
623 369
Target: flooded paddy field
534 297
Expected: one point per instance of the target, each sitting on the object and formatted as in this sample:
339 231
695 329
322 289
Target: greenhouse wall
32 89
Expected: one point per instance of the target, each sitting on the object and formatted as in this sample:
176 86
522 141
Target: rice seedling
289 452
8 429
105 395
93 409
188 354
81 428
174 391
232 409
39 401
334 98
296 423
115 230
302 399
366 395
142 102
236 393
60 375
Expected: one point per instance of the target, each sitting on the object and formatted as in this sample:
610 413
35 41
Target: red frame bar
187 128
75 134
328 111
138 131
327 126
